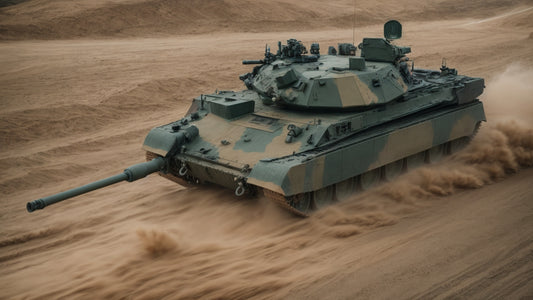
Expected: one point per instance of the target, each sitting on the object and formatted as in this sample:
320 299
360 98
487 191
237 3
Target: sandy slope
77 110
52 19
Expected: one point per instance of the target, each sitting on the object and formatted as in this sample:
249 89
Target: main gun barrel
132 173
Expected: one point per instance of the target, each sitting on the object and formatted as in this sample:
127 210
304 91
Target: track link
282 201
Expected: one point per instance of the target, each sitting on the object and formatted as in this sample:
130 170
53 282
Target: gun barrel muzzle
132 173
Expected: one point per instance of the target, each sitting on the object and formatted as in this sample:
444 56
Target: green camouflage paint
308 122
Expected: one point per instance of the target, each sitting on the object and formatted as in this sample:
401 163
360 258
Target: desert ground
83 82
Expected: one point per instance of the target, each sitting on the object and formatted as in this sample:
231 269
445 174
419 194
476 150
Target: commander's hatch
381 49
392 30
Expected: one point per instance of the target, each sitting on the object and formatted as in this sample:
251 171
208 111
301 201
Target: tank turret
333 82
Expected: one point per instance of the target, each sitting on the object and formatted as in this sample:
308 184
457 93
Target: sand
83 82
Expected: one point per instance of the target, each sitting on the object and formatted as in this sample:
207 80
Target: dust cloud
496 152
509 96
155 242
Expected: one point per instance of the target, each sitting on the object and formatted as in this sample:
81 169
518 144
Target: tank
310 129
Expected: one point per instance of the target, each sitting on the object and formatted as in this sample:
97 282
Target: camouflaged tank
310 128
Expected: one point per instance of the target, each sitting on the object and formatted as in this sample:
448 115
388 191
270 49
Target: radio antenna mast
353 28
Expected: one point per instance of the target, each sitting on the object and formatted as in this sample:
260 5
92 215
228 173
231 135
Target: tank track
285 202
282 201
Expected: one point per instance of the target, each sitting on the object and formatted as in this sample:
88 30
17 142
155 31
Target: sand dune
121 18
76 109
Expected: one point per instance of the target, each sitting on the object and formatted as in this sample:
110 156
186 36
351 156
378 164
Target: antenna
353 28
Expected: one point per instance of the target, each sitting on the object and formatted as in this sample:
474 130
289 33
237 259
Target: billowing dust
76 109
155 242
502 147
499 150
509 96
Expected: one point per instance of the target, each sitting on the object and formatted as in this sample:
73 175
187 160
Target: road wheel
435 154
393 170
323 197
344 189
415 160
369 179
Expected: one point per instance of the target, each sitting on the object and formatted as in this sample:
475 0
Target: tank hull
365 151
286 178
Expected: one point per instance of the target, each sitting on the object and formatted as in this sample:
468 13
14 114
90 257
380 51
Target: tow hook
183 170
241 187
